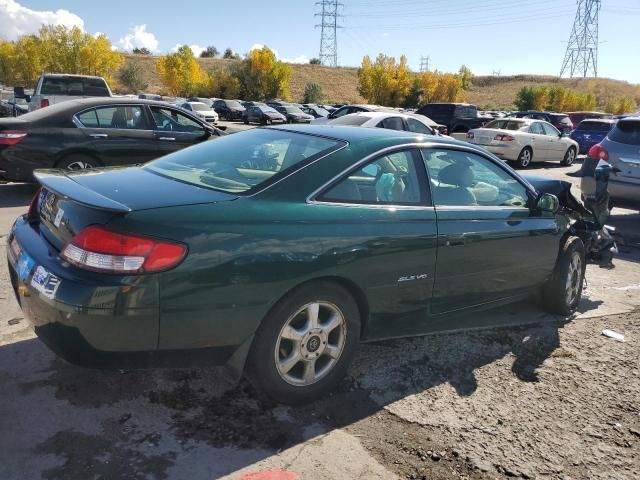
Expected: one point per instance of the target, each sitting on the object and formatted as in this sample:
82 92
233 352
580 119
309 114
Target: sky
489 36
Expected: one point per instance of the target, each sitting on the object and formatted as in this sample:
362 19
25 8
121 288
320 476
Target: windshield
242 161
233 104
505 125
268 110
321 111
200 107
294 110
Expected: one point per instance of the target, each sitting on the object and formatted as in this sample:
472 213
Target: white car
203 111
409 122
525 140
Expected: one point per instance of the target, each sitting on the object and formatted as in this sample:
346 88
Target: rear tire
569 157
78 162
294 359
525 158
563 291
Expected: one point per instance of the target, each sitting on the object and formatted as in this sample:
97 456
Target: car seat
457 177
119 120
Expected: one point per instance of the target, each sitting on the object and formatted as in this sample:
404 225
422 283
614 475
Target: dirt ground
555 399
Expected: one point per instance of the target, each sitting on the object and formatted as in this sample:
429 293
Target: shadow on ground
145 422
16 194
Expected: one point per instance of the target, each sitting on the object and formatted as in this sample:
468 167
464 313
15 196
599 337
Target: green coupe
277 251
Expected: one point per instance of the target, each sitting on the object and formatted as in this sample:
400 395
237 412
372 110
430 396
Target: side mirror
548 203
561 134
18 92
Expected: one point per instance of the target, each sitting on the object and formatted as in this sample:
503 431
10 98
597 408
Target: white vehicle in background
524 140
52 88
205 112
409 122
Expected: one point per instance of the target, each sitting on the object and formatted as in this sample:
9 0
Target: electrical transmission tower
424 64
328 31
581 57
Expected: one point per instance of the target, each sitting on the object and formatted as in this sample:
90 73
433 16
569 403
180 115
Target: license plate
45 282
25 266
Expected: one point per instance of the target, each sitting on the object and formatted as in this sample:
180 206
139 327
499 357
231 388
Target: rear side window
121 117
627 132
88 87
392 123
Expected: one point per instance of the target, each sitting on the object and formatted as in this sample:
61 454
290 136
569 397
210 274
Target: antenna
328 32
581 57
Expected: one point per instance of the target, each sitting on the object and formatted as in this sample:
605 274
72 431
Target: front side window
242 161
168 120
461 178
391 180
418 127
118 117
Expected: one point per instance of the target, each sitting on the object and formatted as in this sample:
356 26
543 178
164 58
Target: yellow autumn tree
439 87
98 58
261 75
620 105
385 81
180 73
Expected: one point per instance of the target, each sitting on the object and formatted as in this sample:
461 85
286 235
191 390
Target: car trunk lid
70 201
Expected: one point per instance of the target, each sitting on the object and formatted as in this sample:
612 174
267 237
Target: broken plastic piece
618 337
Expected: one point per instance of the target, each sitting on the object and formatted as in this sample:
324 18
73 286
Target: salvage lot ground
551 400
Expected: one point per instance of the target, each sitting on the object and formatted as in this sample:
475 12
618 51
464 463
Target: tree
312 93
230 55
141 51
314 61
226 86
210 52
262 75
385 82
439 87
131 76
465 76
180 72
620 105
98 58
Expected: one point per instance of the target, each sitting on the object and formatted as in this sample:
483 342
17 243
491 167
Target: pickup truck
458 117
54 88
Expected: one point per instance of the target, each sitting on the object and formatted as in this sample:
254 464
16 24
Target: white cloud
196 49
138 37
298 59
16 20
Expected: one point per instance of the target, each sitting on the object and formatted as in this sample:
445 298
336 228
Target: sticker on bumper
25 266
45 282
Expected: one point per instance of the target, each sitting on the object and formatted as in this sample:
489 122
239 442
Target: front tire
304 346
563 292
525 158
77 162
569 157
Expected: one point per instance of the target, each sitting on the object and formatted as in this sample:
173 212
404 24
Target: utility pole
328 31
581 57
424 63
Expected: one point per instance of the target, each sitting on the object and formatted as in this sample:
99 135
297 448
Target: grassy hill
340 84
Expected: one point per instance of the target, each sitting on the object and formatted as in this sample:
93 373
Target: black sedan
95 132
263 115
228 109
293 114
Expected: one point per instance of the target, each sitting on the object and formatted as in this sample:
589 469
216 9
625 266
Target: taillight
33 213
503 137
96 248
11 137
44 102
599 152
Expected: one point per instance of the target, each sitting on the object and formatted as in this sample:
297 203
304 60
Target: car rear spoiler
58 182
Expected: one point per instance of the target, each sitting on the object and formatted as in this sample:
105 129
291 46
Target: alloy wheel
79 165
310 343
571 156
574 278
525 158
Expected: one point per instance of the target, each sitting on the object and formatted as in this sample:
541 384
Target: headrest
457 174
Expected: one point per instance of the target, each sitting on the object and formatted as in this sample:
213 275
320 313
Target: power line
329 31
424 63
581 57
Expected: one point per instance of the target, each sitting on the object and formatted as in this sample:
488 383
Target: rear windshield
594 126
232 104
434 110
626 132
505 125
242 161
89 87
353 120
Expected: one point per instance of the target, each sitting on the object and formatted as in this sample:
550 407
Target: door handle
99 135
167 139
